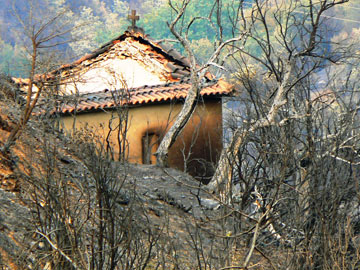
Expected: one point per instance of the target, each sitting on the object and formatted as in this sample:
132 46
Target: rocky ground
170 201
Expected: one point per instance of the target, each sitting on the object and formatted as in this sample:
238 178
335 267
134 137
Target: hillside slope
64 205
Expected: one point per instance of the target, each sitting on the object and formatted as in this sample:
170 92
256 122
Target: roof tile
142 95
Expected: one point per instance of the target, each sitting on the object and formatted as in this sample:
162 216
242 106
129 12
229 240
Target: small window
150 143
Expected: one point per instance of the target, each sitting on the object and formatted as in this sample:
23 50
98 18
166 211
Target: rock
209 203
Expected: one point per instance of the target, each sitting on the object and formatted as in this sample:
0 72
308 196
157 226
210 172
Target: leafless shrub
83 216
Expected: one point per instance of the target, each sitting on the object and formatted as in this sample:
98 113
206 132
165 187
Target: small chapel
134 86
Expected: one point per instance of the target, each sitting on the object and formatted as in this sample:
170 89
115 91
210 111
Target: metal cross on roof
133 17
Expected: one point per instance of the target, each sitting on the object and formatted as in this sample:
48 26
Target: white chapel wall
111 74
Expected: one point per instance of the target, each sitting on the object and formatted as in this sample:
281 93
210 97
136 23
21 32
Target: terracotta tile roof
168 63
142 95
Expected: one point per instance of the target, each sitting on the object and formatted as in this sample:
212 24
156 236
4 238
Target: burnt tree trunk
181 121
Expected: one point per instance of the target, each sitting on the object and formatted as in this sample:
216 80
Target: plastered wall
196 149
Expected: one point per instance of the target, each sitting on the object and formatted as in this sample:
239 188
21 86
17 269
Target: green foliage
202 49
89 29
121 8
203 32
98 27
103 20
155 22
12 60
6 53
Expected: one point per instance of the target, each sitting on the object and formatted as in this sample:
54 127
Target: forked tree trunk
222 177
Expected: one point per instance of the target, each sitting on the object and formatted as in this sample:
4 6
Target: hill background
102 20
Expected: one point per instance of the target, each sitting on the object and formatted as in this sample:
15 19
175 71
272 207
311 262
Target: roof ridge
168 50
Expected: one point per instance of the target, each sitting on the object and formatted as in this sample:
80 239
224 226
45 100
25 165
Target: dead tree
287 57
198 72
295 146
295 149
43 30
